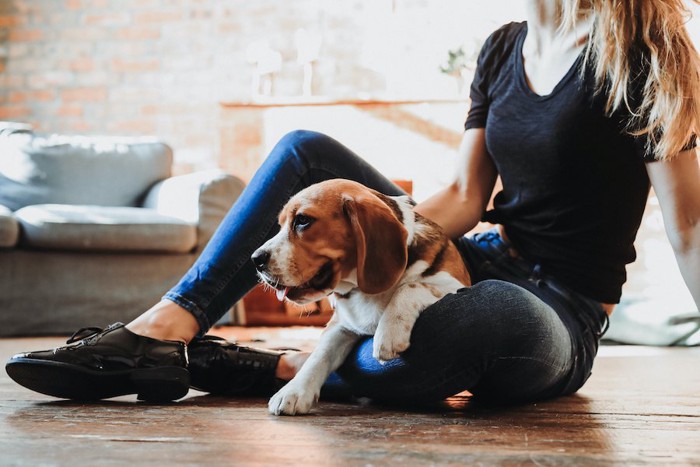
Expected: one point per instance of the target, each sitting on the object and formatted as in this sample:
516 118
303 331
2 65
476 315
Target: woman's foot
100 364
218 366
149 357
166 321
290 364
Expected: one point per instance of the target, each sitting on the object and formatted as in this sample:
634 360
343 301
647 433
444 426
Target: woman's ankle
166 321
289 365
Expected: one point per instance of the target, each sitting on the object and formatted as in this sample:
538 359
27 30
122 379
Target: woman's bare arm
677 185
459 207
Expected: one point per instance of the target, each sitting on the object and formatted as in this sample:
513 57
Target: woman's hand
459 207
677 186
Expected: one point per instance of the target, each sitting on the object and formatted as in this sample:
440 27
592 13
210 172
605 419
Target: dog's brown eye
302 221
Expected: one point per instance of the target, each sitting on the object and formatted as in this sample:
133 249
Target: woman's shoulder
501 42
506 35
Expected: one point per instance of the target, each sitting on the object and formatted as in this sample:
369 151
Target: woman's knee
302 138
305 147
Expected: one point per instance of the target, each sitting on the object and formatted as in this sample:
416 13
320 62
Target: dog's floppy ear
382 253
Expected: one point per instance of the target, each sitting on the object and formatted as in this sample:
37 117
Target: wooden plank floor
641 406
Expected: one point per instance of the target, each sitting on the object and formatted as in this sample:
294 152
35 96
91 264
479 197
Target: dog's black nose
260 259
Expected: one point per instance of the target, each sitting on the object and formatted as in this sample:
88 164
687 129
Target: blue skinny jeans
514 335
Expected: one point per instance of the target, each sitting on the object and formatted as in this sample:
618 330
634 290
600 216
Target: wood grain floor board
640 407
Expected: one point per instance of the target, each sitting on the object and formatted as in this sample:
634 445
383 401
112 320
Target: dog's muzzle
320 281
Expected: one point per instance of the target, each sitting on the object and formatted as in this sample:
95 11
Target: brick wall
161 66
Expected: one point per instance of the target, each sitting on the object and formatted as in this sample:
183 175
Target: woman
577 110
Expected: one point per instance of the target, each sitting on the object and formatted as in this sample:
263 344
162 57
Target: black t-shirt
574 181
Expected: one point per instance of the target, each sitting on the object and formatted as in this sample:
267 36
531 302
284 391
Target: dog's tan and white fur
381 263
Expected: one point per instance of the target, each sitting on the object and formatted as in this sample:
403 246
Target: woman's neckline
522 77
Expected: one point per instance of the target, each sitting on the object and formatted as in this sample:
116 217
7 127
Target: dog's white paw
389 342
292 400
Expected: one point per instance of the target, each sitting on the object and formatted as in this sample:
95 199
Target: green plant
457 61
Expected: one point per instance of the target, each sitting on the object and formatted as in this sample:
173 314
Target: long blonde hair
669 112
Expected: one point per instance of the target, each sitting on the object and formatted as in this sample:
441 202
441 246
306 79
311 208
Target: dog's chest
360 313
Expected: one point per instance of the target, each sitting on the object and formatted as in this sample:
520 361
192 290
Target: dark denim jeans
514 335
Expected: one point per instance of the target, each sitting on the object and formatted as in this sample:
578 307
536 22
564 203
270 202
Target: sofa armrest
202 198
9 228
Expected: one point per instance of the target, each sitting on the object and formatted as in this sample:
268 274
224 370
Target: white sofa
95 229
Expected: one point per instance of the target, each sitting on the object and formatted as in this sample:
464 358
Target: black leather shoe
99 364
221 367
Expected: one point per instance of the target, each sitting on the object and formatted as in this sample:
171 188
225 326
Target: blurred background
221 80
164 67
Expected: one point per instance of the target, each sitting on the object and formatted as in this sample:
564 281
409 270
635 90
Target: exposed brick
98 77
8 112
11 80
50 79
73 4
81 64
69 110
141 4
97 4
106 19
8 21
109 49
135 66
27 64
136 126
43 95
138 33
84 33
229 27
78 125
140 95
61 20
7 8
26 35
18 50
148 17
201 139
85 94
165 109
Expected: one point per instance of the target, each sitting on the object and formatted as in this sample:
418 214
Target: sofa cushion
7 128
103 228
105 171
9 228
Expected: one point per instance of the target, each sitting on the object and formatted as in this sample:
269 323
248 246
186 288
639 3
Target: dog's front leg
393 334
299 395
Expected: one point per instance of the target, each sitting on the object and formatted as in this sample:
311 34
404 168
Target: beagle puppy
379 261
